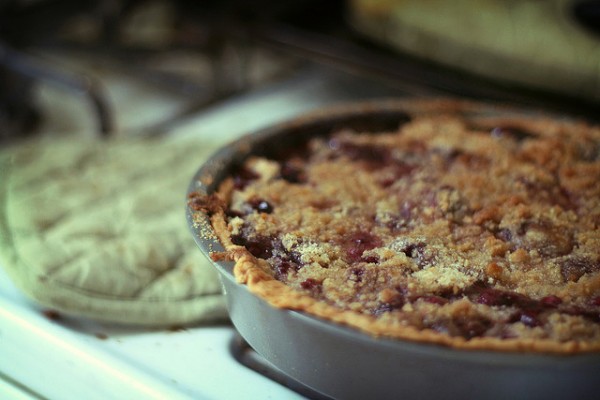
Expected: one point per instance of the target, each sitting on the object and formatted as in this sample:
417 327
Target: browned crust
248 272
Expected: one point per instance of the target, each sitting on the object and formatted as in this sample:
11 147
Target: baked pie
465 230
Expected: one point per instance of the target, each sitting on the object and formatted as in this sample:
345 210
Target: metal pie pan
344 363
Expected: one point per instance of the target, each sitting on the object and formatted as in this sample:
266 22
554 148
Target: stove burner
248 357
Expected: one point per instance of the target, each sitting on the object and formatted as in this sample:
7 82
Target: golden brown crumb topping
473 234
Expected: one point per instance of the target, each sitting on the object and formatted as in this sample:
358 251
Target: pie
457 229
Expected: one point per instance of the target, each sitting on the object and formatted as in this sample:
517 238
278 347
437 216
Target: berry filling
292 172
261 205
359 242
242 178
573 268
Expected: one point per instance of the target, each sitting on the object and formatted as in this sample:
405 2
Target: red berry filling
261 205
573 268
359 242
243 177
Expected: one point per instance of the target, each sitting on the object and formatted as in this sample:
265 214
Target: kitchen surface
208 73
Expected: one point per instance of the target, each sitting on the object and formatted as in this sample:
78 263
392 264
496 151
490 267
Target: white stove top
72 358
76 359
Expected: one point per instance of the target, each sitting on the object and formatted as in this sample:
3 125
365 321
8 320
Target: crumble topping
481 233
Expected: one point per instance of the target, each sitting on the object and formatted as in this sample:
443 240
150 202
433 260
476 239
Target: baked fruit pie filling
479 233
